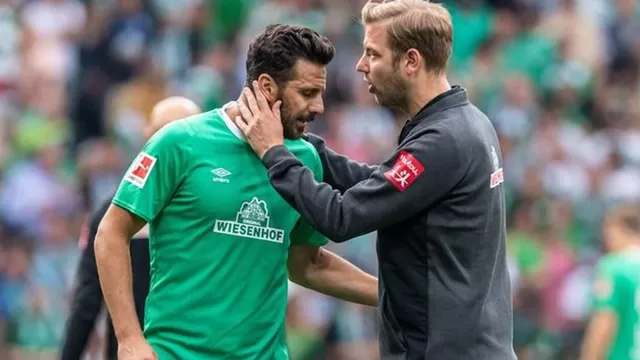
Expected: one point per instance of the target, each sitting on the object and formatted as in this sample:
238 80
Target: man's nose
362 65
318 106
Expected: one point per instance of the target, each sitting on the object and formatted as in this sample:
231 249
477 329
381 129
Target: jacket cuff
275 155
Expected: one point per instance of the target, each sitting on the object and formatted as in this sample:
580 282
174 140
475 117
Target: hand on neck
232 110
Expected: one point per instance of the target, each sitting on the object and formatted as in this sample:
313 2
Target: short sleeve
303 233
156 173
606 288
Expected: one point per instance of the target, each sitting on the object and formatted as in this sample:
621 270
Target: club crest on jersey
405 171
252 221
140 169
497 177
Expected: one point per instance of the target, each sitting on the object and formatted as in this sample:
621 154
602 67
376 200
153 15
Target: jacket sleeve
415 177
339 171
87 300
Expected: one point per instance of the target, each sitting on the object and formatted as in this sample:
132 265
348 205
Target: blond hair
416 24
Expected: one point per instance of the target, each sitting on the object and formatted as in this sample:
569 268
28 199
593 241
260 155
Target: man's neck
429 89
230 112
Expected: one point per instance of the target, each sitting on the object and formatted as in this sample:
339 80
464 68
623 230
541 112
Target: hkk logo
405 171
252 221
401 176
408 160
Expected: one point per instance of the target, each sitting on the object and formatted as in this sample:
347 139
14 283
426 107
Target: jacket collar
456 96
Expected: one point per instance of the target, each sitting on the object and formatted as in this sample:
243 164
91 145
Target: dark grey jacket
438 207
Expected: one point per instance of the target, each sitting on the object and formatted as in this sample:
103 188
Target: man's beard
291 125
394 93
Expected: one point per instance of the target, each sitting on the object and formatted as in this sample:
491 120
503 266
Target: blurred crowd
559 78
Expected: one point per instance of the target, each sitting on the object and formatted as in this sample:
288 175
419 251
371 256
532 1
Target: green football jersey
617 289
219 239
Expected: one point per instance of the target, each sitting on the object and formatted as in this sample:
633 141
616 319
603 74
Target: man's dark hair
276 50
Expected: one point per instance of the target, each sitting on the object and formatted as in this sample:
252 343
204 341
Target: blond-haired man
437 202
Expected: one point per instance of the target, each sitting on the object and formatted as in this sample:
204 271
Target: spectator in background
115 54
127 39
19 299
33 185
584 40
88 298
12 35
39 322
130 104
57 24
622 32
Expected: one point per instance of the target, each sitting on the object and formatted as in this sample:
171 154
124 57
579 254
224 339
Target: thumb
276 109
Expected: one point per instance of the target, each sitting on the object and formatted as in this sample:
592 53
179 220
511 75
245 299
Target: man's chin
380 100
387 103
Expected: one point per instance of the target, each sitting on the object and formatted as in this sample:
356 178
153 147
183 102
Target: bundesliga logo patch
405 171
140 169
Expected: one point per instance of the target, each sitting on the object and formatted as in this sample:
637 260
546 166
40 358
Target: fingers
262 100
251 101
247 114
243 126
240 122
276 109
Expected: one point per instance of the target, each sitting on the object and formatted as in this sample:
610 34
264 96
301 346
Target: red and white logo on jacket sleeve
140 169
405 171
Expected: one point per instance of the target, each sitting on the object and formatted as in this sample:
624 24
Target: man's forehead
375 35
308 74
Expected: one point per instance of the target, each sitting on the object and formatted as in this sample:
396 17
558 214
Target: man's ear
269 87
412 61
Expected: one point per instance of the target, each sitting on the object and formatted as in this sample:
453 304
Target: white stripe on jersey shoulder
230 124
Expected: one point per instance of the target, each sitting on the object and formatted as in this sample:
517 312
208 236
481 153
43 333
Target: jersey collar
230 124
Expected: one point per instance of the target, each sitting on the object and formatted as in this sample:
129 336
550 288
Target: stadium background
559 78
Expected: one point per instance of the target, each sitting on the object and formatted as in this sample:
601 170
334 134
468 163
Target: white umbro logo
220 175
